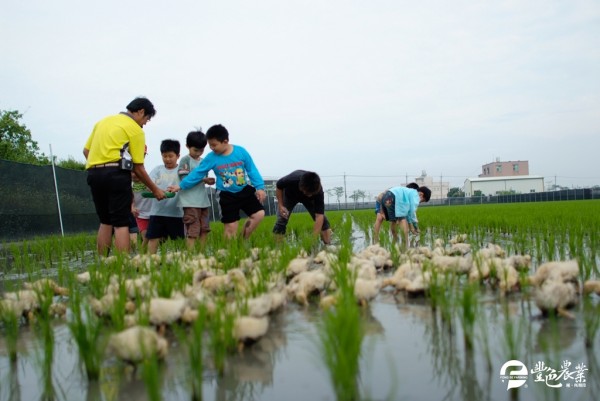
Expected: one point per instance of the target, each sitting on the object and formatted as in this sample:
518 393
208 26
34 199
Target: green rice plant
513 331
46 356
221 340
10 322
193 341
151 375
86 330
341 334
468 300
591 320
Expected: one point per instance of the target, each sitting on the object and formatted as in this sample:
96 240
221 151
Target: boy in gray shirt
194 201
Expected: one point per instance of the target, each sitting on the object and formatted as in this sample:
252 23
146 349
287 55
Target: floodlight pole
62 231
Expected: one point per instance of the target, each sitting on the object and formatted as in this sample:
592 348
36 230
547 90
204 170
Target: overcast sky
376 90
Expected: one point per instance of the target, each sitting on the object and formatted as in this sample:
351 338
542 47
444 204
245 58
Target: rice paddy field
489 302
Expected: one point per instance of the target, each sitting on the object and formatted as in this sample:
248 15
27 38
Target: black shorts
165 227
232 202
111 192
281 223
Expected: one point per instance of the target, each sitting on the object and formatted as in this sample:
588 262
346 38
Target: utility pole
345 193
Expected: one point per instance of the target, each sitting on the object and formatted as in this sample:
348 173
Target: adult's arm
142 174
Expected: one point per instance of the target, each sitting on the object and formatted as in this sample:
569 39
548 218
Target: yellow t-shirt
110 135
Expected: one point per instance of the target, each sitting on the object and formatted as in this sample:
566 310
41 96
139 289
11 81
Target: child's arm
194 177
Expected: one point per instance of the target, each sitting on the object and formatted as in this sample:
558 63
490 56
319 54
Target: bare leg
122 240
404 226
378 220
104 239
253 222
394 231
190 242
231 229
153 245
326 236
144 239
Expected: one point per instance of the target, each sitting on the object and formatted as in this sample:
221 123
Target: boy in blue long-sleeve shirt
399 207
238 181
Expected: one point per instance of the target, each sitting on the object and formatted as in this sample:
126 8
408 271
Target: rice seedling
591 320
46 357
221 340
86 330
193 341
341 335
151 375
10 322
468 300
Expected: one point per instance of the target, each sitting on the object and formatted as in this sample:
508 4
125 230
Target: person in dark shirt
304 187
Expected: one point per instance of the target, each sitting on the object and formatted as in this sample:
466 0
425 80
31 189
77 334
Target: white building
498 185
439 189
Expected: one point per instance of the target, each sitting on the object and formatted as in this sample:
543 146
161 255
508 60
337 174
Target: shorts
281 223
133 227
142 223
232 202
165 227
196 221
111 192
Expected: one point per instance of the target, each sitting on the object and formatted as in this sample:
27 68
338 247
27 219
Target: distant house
439 189
503 185
505 169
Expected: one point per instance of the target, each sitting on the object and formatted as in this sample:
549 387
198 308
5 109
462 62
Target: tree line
17 144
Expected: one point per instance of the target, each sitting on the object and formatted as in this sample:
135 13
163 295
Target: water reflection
249 372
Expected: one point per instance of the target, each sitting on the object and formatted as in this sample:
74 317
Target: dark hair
170 145
310 182
413 185
141 103
217 132
196 139
426 193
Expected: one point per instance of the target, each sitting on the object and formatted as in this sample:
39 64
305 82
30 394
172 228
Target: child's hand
283 212
209 180
173 188
261 195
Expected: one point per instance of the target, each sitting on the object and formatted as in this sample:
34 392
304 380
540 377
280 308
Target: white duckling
46 284
556 287
247 329
137 343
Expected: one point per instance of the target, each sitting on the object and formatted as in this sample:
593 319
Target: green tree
338 192
16 143
455 193
71 163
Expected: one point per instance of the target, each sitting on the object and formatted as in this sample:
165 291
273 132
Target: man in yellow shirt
115 148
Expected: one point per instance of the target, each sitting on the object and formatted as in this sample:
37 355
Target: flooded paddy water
413 349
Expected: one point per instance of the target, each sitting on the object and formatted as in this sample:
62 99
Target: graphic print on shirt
232 174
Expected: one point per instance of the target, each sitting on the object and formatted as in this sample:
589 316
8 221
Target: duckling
459 249
559 270
234 279
297 266
556 287
458 239
248 329
455 264
137 343
102 307
307 283
45 284
365 290
557 296
591 286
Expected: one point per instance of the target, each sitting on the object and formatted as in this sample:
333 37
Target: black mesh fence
29 206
